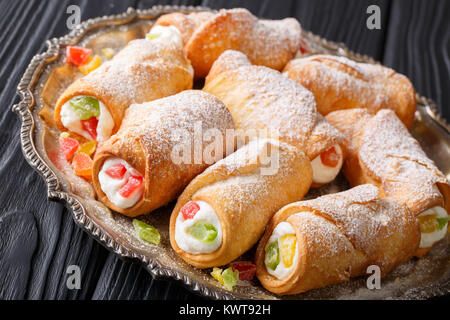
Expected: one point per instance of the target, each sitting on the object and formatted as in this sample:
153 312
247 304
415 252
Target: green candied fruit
146 232
204 232
272 258
85 107
230 278
442 222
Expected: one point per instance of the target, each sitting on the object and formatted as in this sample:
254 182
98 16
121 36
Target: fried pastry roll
223 211
148 162
262 98
340 83
146 69
271 43
316 243
381 151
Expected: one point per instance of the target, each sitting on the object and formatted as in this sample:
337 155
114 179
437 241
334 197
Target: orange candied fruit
82 165
330 158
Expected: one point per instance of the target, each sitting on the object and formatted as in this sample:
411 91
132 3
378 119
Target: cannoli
340 83
223 211
316 243
381 151
146 69
261 98
271 43
149 161
187 24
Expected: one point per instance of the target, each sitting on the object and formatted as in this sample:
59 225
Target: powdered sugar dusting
389 151
267 100
249 195
368 221
162 124
143 71
268 40
341 83
352 85
271 43
325 238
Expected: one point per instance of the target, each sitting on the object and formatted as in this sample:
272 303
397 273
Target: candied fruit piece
77 55
428 223
217 274
230 278
92 64
85 107
90 126
330 158
204 232
272 257
88 147
189 210
247 269
287 250
82 165
108 53
68 146
116 171
146 232
133 183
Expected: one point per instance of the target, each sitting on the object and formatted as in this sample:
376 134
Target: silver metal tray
44 80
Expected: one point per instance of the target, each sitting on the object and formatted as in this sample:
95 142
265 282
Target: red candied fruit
247 270
116 171
189 210
69 146
133 183
90 126
77 55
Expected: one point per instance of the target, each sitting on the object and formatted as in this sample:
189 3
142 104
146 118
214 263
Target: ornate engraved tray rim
54 186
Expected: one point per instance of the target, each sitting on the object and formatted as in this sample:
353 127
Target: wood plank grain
345 21
418 45
18 240
146 4
39 238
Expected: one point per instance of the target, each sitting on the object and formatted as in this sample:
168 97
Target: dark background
39 240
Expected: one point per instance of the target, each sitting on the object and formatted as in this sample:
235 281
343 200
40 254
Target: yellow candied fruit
152 36
217 274
88 148
108 53
428 223
64 135
287 249
92 64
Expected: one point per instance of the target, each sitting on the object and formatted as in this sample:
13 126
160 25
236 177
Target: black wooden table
39 240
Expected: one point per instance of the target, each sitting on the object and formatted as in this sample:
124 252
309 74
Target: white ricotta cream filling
165 33
71 121
111 186
323 174
281 271
188 243
428 239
